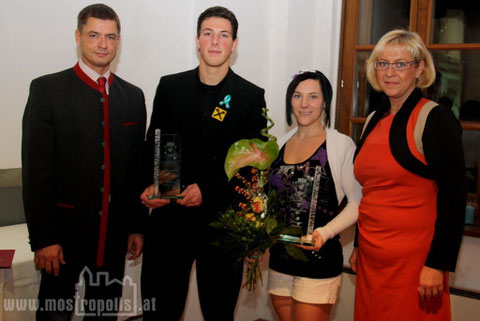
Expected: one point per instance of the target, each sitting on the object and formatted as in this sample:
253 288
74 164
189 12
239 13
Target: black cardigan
443 150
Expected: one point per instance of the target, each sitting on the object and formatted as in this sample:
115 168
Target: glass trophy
306 239
166 170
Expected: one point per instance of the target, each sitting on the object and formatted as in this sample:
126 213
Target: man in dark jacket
83 129
210 107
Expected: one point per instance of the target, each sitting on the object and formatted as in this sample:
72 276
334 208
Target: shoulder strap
372 119
420 124
366 123
402 142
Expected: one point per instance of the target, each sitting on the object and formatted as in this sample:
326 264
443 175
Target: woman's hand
353 259
317 241
149 201
430 285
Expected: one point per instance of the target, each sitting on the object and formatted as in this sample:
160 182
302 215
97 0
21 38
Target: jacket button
104 167
102 100
102 189
104 144
100 213
103 123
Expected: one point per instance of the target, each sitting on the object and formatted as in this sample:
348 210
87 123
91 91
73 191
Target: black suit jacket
205 140
63 161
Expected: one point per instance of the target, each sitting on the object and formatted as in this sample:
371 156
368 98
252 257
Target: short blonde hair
411 42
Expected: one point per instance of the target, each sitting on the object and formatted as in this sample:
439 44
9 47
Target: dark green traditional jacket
81 156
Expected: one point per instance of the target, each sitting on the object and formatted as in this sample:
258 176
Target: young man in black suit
210 107
83 130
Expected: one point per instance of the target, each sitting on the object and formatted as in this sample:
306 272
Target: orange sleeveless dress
396 223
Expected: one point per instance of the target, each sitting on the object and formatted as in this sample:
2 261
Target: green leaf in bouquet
277 231
291 230
250 152
272 196
266 245
217 225
270 224
295 252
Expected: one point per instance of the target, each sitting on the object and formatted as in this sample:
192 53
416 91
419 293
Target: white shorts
307 290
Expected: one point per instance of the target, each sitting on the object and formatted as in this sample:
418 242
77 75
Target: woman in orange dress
410 163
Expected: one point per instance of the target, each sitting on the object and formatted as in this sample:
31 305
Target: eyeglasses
399 65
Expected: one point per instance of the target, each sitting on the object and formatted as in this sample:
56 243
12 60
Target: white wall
276 39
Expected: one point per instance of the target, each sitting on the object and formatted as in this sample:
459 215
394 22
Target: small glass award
306 239
166 170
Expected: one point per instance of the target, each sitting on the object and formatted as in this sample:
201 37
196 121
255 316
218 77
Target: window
452 34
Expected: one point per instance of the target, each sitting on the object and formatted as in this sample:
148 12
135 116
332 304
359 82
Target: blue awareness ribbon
226 101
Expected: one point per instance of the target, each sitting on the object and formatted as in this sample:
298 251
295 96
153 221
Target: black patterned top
295 183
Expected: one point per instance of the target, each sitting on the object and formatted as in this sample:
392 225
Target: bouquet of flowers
255 222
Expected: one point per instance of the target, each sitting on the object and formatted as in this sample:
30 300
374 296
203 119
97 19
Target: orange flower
251 217
258 204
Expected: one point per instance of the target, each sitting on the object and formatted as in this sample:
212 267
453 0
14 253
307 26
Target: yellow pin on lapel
219 114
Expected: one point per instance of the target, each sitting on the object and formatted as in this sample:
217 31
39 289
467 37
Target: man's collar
92 74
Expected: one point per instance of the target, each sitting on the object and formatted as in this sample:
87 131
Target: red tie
101 84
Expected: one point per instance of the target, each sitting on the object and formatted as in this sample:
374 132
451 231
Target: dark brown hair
219 12
325 86
99 11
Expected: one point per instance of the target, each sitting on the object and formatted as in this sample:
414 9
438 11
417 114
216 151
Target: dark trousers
101 301
167 261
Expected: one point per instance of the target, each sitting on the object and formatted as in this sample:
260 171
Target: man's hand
135 245
251 258
353 259
49 258
150 202
430 285
192 196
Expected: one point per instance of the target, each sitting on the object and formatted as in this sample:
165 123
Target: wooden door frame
421 12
